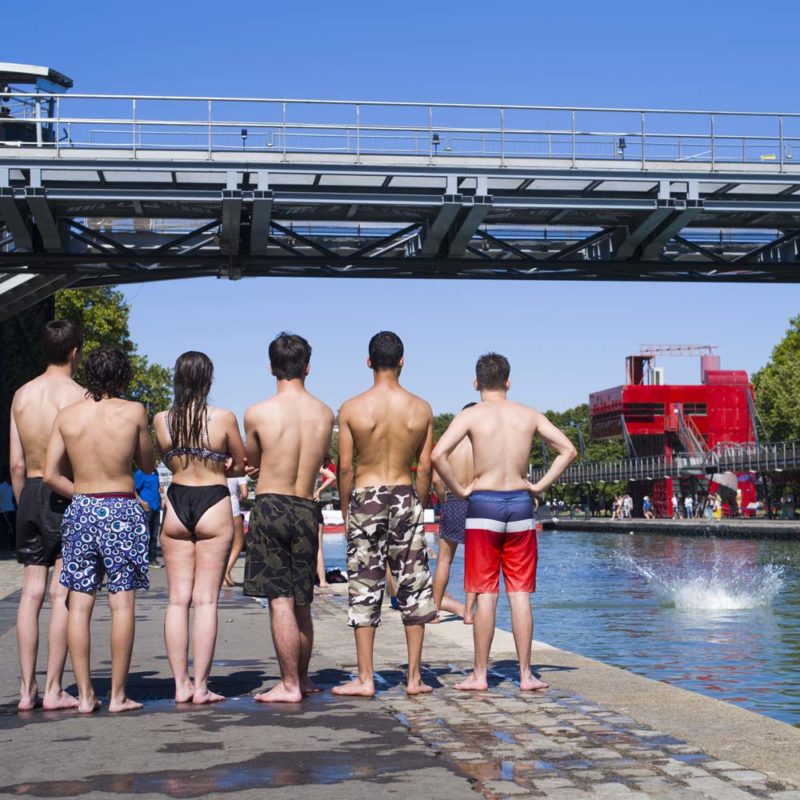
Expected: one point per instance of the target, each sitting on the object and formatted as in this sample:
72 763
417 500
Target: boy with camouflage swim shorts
388 429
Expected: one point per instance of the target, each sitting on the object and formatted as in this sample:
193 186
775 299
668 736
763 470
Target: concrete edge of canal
721 729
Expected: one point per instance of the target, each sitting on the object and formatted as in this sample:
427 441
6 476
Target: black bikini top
203 452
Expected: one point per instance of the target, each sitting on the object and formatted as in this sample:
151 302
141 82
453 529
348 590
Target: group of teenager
72 453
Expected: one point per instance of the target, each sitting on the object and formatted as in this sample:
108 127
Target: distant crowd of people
89 507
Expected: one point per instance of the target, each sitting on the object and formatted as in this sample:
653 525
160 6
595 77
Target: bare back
462 463
221 435
34 410
389 427
102 439
501 433
287 437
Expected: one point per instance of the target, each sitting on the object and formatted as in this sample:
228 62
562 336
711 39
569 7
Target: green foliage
103 315
440 423
777 388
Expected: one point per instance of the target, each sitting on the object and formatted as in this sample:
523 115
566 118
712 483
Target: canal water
719 617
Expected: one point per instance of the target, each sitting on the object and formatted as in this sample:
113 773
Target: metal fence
434 131
765 457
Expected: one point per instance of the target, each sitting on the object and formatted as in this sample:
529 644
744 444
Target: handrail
402 104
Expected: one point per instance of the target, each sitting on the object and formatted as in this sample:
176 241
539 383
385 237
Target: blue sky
564 340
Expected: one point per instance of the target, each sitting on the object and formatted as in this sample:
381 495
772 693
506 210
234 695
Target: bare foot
530 683
227 581
58 701
417 687
435 621
473 684
280 694
307 686
126 704
27 702
324 585
469 614
184 694
202 698
88 706
355 688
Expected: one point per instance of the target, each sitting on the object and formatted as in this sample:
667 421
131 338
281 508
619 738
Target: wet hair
492 371
385 350
107 373
289 355
59 338
468 405
192 379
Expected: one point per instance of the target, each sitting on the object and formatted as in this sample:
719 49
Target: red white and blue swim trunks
501 534
104 535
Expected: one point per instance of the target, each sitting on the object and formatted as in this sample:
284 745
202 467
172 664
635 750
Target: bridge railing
727 457
433 131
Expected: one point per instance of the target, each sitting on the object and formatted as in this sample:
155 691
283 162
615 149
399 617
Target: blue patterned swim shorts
104 535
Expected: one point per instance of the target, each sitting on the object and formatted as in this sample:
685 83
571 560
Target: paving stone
507 788
744 776
717 789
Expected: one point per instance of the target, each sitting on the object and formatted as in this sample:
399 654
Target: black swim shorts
282 543
39 524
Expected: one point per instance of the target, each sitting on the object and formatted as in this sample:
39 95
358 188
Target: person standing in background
148 493
328 474
239 489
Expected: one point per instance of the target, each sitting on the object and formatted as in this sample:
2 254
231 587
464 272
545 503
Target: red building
659 419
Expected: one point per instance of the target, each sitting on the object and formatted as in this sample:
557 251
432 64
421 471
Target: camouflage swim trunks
385 524
282 542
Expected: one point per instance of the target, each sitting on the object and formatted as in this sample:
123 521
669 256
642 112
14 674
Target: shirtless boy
33 412
452 530
500 526
89 459
287 438
385 430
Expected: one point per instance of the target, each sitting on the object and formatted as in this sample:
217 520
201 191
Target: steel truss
103 218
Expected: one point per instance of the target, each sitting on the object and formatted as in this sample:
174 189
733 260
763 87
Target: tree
102 314
777 388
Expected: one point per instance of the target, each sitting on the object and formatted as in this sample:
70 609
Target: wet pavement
584 738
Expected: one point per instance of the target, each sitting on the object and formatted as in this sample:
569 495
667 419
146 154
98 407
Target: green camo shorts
282 545
385 525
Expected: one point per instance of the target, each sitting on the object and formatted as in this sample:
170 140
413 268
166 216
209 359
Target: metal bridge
739 458
113 189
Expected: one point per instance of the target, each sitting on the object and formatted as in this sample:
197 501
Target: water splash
719 586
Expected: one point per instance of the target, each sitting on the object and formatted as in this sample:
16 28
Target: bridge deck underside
110 218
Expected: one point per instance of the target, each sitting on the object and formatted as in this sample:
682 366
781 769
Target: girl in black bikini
202 447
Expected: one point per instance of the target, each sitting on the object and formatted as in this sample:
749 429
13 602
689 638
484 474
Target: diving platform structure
116 189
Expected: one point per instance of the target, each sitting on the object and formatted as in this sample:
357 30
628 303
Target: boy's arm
565 454
344 472
424 465
54 473
253 446
455 432
144 456
16 459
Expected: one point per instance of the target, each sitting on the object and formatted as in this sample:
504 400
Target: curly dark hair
107 373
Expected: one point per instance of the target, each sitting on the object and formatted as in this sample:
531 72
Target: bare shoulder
225 415
134 410
420 405
325 411
257 410
73 392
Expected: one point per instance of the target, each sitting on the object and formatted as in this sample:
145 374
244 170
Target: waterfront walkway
598 733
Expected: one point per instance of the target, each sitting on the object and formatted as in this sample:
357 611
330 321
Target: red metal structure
660 419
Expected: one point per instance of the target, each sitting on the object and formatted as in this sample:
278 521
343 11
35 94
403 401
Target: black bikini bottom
190 502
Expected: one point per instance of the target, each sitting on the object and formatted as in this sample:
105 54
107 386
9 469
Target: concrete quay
599 732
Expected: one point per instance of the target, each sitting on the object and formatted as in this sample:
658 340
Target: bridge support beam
44 219
259 222
666 232
15 222
474 216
